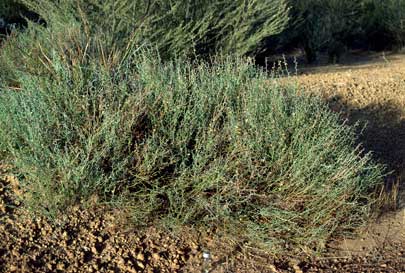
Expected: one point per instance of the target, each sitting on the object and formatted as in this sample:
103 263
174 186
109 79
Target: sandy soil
368 90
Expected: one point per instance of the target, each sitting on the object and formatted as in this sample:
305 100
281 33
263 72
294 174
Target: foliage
176 28
334 26
9 8
201 28
180 143
386 20
323 25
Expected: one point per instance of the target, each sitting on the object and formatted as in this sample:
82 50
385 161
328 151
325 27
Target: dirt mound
82 240
99 239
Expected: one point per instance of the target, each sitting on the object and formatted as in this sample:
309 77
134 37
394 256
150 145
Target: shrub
324 25
335 26
8 8
384 22
181 143
13 12
178 27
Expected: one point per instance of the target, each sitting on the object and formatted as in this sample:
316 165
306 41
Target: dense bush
335 26
384 23
178 27
14 17
178 142
327 24
256 27
9 8
323 26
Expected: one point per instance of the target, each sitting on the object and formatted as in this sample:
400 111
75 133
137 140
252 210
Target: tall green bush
335 26
9 8
385 19
178 27
325 25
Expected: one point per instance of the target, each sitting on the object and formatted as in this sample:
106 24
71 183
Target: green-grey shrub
181 143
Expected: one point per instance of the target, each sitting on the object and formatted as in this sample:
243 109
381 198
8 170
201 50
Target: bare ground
368 89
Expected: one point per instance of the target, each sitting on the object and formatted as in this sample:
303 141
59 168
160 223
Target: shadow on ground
381 132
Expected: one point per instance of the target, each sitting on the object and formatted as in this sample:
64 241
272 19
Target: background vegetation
384 21
335 26
255 28
176 28
111 99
